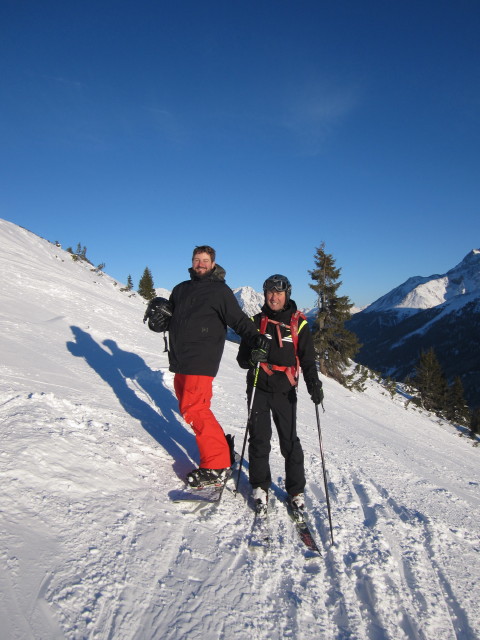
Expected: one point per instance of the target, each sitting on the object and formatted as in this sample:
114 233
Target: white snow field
92 445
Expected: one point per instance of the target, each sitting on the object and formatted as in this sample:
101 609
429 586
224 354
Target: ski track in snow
92 444
384 578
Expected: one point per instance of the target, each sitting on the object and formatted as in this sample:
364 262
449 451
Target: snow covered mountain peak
468 270
458 286
250 300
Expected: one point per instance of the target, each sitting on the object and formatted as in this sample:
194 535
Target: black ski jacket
281 356
202 308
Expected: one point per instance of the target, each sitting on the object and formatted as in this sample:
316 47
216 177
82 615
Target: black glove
314 387
260 349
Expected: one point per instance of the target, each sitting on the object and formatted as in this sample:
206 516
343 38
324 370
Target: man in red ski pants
202 308
194 394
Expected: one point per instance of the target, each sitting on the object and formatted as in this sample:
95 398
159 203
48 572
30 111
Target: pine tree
129 286
145 286
457 409
475 422
334 344
79 254
431 383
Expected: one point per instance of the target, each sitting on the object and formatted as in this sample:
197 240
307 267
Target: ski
260 535
303 530
198 500
207 495
307 537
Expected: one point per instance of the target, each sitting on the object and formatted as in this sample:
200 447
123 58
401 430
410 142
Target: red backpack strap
263 323
294 329
264 320
294 323
294 371
262 329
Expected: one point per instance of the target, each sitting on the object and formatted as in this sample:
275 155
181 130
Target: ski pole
324 472
248 426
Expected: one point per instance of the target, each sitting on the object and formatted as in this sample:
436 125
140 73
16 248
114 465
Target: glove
260 350
314 387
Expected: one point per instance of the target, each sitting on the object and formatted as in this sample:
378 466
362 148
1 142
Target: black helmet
158 314
278 282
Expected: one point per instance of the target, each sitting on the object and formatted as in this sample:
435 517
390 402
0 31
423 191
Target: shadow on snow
117 368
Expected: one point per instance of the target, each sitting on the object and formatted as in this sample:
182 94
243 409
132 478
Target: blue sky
141 129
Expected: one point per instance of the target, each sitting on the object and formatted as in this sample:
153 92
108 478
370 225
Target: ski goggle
276 284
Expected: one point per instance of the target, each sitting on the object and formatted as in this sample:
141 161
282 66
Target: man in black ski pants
276 392
202 307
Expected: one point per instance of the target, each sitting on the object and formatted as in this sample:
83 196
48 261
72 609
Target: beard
202 273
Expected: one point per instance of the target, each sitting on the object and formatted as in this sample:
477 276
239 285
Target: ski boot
200 478
231 445
260 497
297 505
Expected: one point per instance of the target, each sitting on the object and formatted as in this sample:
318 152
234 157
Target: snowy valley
92 446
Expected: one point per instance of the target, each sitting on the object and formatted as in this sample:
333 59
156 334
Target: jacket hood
217 273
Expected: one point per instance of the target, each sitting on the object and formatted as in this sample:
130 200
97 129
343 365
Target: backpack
293 371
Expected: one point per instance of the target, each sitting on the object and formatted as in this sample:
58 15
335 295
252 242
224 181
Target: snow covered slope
92 445
163 293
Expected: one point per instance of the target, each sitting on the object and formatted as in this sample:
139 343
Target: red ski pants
194 394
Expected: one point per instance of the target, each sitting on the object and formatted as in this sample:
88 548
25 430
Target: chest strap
293 371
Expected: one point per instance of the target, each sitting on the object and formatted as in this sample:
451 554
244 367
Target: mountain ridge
424 292
440 312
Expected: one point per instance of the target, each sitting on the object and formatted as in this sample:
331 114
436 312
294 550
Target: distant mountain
355 310
439 311
251 303
250 300
311 313
417 294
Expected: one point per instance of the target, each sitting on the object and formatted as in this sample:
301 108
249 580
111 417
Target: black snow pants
283 407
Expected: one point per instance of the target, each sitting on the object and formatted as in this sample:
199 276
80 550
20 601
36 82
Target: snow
163 293
92 444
